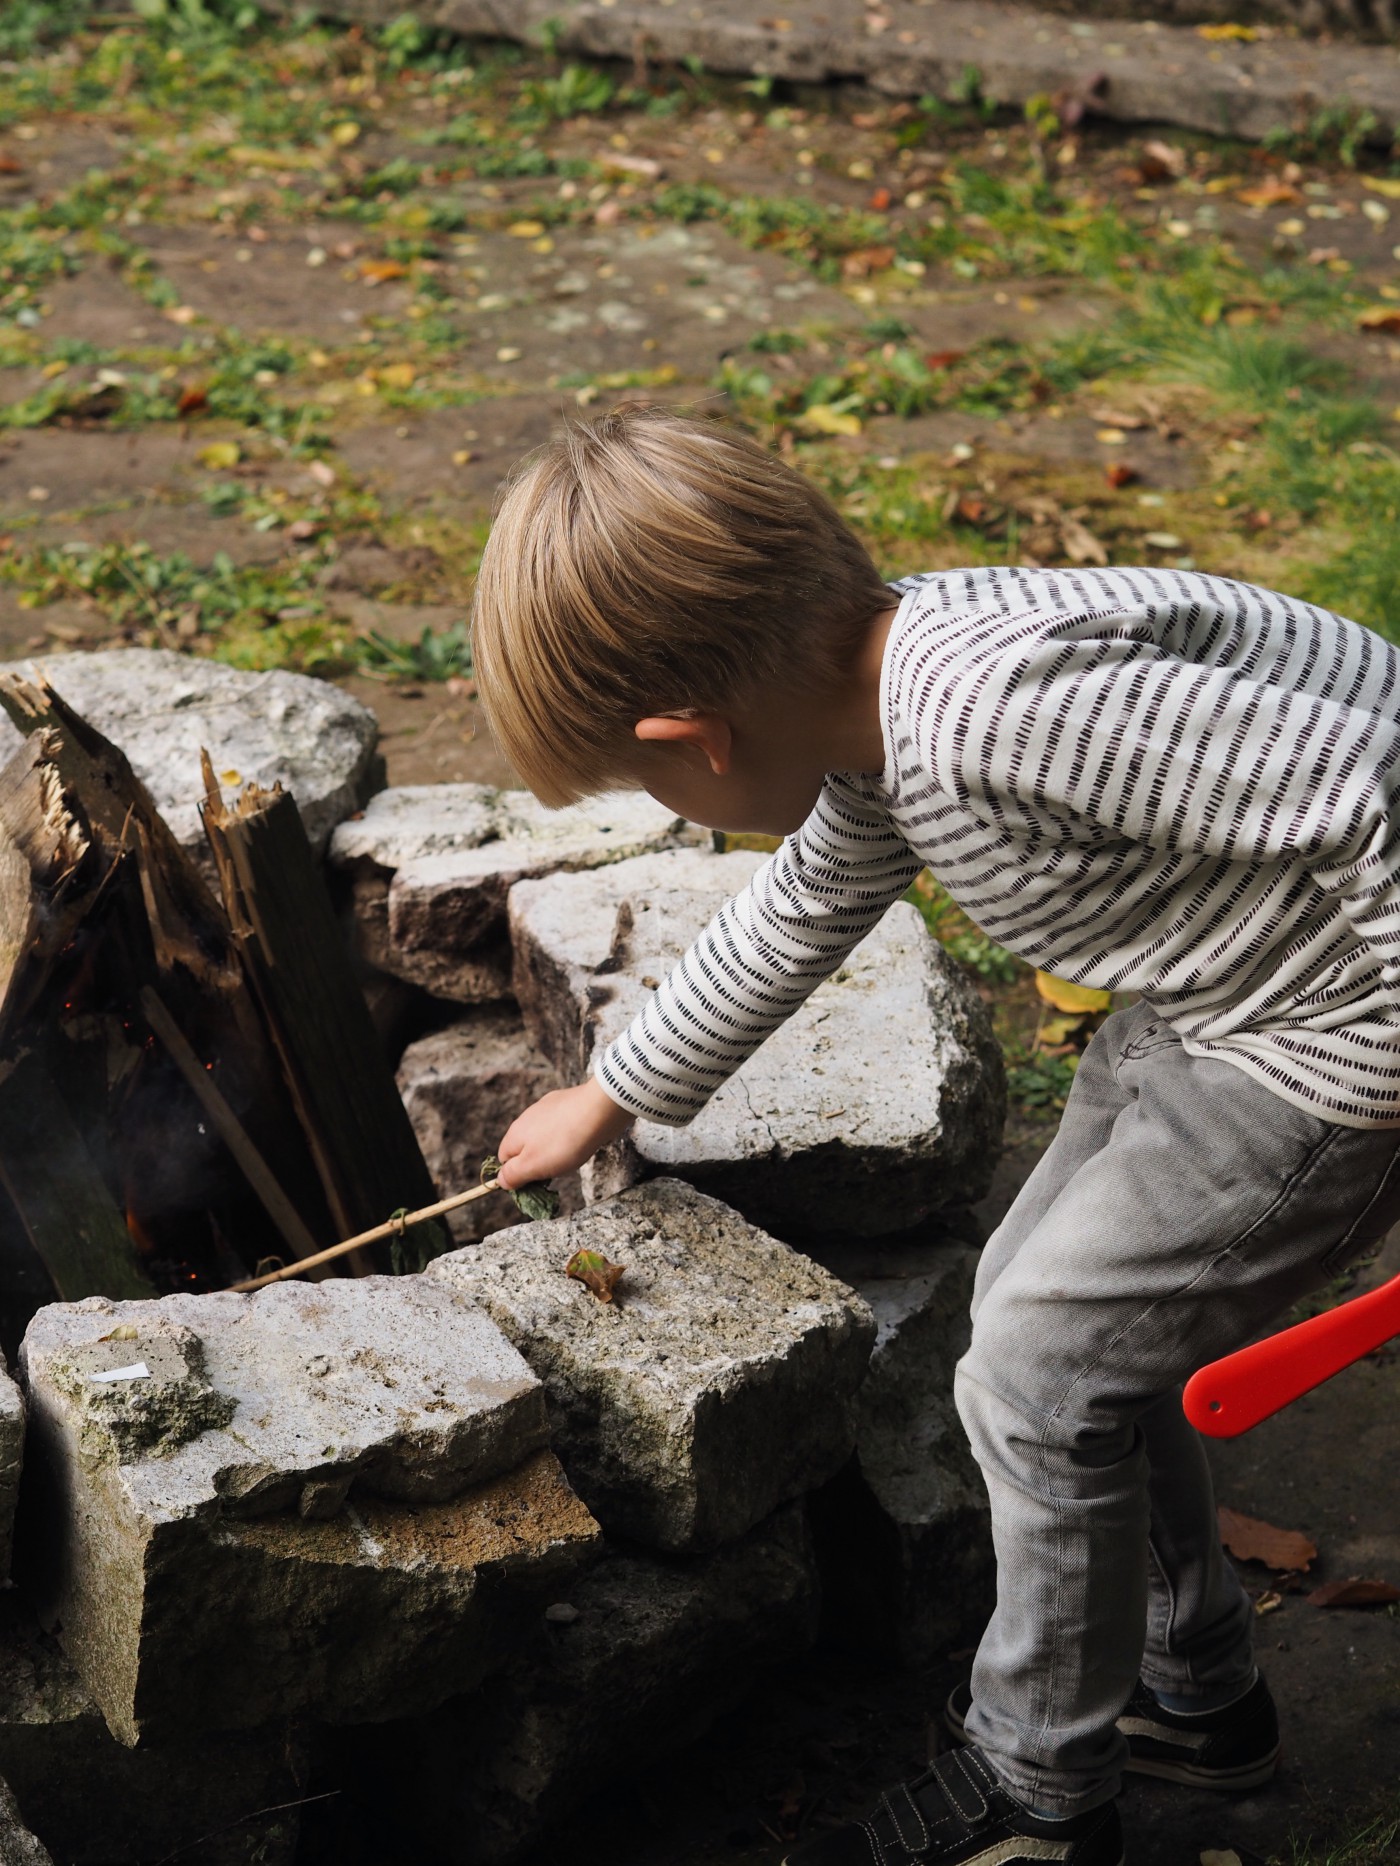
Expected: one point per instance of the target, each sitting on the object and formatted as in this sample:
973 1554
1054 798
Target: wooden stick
228 1127
394 1227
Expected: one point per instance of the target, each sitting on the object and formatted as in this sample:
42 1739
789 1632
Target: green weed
437 654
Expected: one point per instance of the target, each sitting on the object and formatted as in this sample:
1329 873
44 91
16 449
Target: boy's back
1160 781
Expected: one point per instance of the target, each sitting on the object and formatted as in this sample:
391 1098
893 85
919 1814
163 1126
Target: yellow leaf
397 375
828 420
249 157
1068 997
1057 1030
526 229
220 455
343 134
1383 184
1227 32
1380 317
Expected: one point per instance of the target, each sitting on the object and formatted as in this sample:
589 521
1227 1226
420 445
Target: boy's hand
559 1132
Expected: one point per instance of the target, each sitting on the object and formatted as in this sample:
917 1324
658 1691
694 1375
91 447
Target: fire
140 1236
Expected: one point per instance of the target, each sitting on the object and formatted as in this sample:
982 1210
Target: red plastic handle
1236 1392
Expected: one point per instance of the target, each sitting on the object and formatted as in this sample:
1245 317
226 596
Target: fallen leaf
881 199
248 156
1162 540
192 398
8 166
1057 1030
343 134
1119 418
526 229
1355 1591
379 271
1119 473
641 167
1111 437
1220 1856
1383 318
508 353
1081 546
1249 1539
1387 185
397 375
1161 161
970 509
1224 34
944 359
1066 996
219 455
182 314
592 1268
828 420
1269 1601
322 474
1269 194
865 260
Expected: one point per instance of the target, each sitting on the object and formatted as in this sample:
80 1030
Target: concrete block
880 1100
160 708
302 1506
11 1462
18 1847
635 1661
463 1086
226 1801
718 1384
429 867
905 1530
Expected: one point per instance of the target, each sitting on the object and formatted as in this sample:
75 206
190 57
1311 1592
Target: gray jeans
1180 1209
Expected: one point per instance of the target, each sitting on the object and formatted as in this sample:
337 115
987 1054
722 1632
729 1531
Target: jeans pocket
1371 1223
1155 1036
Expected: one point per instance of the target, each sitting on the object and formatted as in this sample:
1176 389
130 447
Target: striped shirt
1135 779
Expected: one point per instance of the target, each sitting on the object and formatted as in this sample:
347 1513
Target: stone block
430 866
634 1662
880 1100
463 1086
300 1502
18 1847
11 1462
717 1385
160 708
905 1530
224 1801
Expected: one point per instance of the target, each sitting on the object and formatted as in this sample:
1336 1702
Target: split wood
395 1227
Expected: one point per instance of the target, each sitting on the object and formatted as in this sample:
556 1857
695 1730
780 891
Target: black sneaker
1236 1747
958 1811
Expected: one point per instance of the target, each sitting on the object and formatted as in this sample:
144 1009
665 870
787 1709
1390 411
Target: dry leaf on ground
1065 996
1081 546
1355 1591
1249 1539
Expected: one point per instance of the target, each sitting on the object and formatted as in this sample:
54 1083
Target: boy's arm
1118 732
762 955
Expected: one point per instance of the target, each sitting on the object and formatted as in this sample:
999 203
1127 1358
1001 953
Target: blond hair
650 562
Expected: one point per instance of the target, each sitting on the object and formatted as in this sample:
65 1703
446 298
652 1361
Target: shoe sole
1247 1775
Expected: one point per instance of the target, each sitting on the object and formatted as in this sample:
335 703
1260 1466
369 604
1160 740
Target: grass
1375 1842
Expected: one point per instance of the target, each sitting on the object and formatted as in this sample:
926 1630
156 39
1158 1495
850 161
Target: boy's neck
851 725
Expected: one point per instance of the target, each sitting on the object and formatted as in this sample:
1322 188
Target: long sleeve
762 955
1110 734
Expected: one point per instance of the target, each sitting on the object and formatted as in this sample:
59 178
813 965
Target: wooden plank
296 959
67 1211
229 1128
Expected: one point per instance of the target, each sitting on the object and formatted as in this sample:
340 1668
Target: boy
1167 782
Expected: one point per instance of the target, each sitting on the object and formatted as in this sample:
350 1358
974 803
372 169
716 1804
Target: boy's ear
706 730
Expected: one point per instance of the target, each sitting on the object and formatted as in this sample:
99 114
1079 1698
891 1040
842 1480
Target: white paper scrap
138 1370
